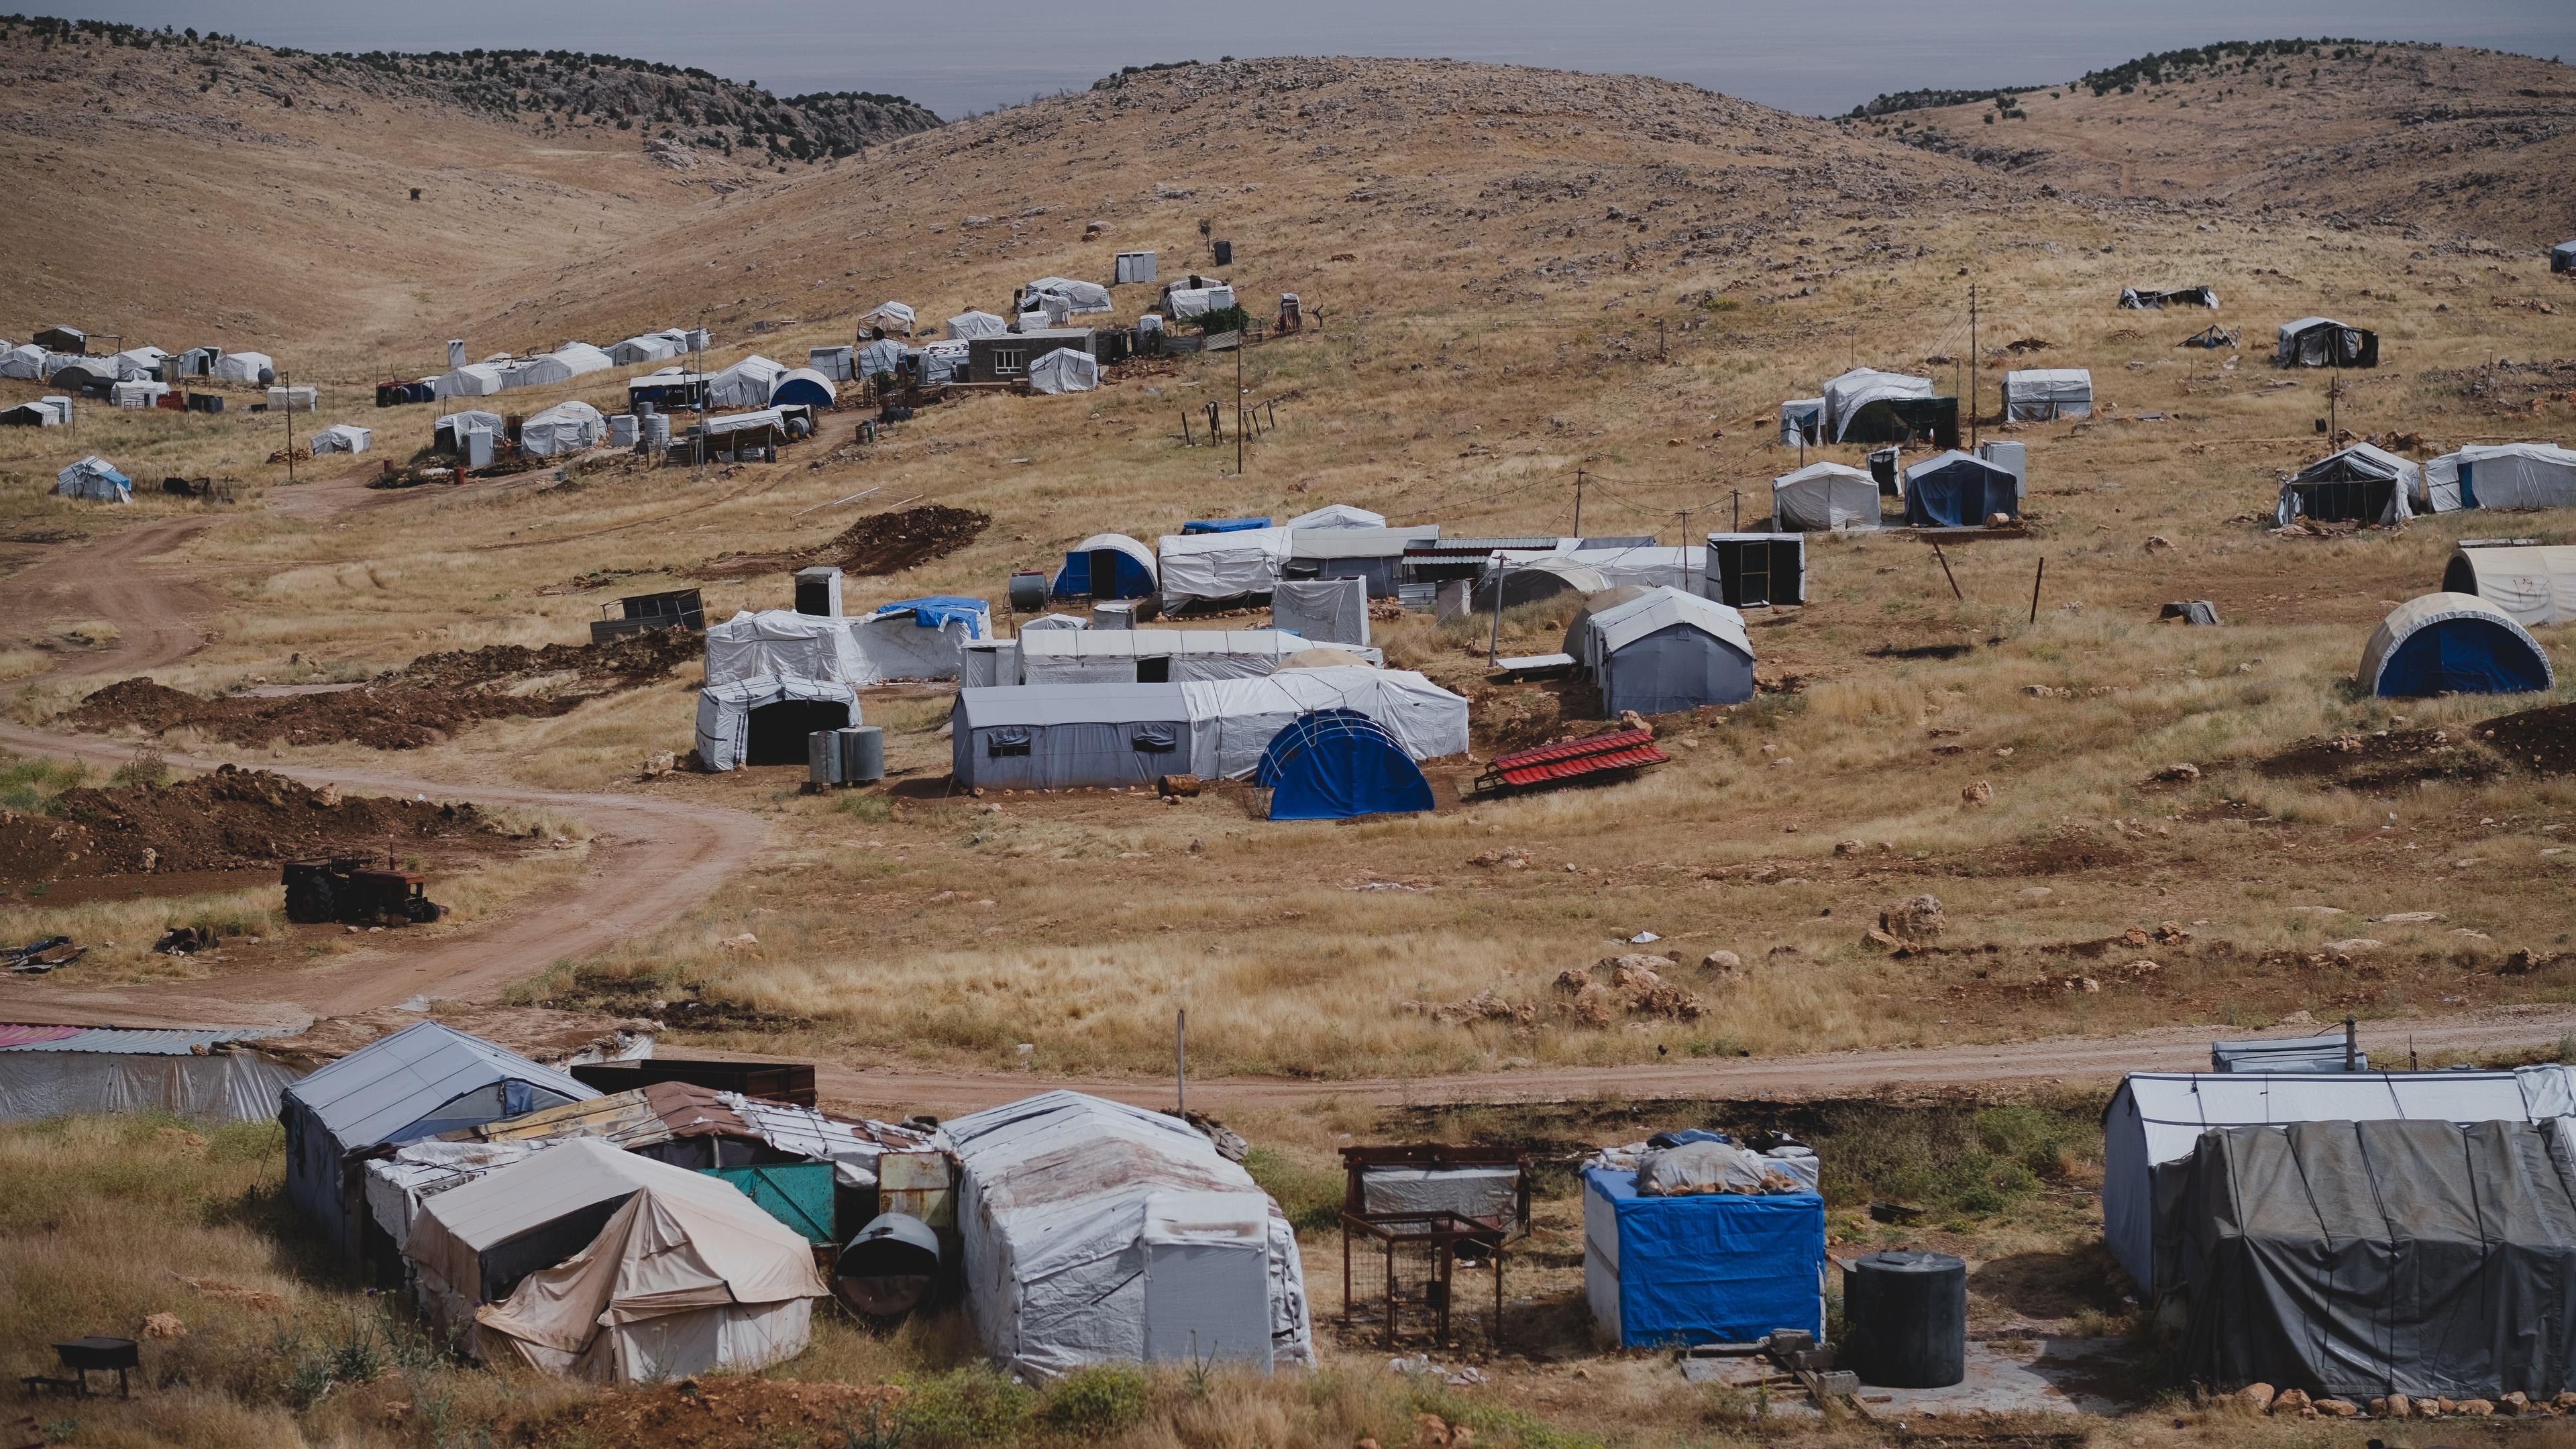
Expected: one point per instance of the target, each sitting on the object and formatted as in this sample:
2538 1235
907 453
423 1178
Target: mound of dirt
2542 741
2384 761
879 544
718 1413
224 821
437 695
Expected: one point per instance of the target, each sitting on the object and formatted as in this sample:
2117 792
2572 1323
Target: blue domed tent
1123 567
2452 643
802 386
1336 763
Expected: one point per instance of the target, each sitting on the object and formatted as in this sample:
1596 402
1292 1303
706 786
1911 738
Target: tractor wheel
420 910
309 902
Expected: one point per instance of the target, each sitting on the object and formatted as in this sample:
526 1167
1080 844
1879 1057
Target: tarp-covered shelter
1858 403
1322 611
55 1071
23 363
1193 567
342 438
474 379
1064 370
1095 1232
447 435
249 367
80 374
764 720
567 427
918 638
140 393
1180 301
2324 342
136 363
1335 764
646 347
1080 298
1667 650
883 356
2562 257
783 642
976 324
2045 394
1152 656
1373 555
575 359
1541 578
892 316
2501 475
2359 1260
2360 484
1711 1267
1959 490
1822 497
2155 1118
2452 644
1802 422
2535 584
59 338
595 1264
2136 297
42 413
802 386
1233 720
746 384
1105 566
1337 515
93 479
419 1082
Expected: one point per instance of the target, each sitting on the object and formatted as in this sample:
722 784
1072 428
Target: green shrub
1097 1400
967 1406
1312 1200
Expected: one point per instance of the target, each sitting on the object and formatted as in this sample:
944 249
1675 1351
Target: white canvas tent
137 394
474 379
192 1073
1337 515
1204 566
2534 585
137 363
1802 422
2043 394
1153 656
579 359
567 427
746 384
1322 611
1064 370
1846 395
1667 650
785 643
730 732
1822 497
1080 298
646 347
971 324
892 316
2503 475
1095 1232
1233 720
899 641
1180 302
246 366
342 438
23 363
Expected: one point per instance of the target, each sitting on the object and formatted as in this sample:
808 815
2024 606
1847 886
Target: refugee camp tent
1711 1267
138 362
1323 611
1541 578
1095 1232
918 638
2324 342
342 438
764 720
976 324
1233 720
2360 1260
474 379
2045 394
1337 515
1056 621
988 664
62 339
137 394
595 1264
1197 298
447 435
54 1071
1578 630
578 359
2155 1118
1668 650
1080 298
1223 525
93 479
2452 643
1153 656
1822 497
2536 585
1192 567
1375 555
802 386
2503 475
746 384
2562 257
782 642
80 374
1123 567
25 363
1064 370
1959 490
421 1081
1858 392
892 316
295 399
567 427
942 361
40 414
256 367
1802 422
646 347
2360 484
1335 764
881 356
2134 297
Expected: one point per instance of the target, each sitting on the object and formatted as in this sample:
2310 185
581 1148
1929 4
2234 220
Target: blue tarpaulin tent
1126 568
1337 763
1223 525
2455 643
1959 490
932 610
1706 1268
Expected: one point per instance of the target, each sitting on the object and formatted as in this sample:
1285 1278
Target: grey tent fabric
2362 1259
1667 650
1545 579
2043 394
2503 475
2191 611
2324 342
2562 257
1822 497
567 427
725 713
1326 611
1063 736
2361 483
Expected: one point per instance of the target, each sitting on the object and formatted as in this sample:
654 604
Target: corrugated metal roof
12 1034
121 1042
390 1083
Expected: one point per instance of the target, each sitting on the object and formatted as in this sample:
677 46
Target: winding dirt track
654 859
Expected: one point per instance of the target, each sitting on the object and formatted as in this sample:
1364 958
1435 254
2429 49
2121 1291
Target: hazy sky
958 57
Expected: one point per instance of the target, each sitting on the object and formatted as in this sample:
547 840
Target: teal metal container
798 1194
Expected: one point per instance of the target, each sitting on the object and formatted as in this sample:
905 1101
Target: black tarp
2361 1259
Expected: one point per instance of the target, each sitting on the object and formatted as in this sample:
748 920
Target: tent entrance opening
778 730
1755 573
2337 499
1154 671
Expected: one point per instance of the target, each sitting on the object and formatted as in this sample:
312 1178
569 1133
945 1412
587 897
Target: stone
2377 1408
2400 1407
1917 919
2516 1402
1635 972
1847 847
2565 1402
1724 963
1978 793
1592 1004
2474 1408
2353 945
2257 1397
2157 541
2294 1401
2183 772
1571 981
328 797
163 1325
2337 1408
1176 785
658 764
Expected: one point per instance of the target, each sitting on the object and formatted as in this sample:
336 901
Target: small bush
1097 1400
972 1405
1312 1200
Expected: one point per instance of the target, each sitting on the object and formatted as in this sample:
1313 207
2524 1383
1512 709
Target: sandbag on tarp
2362 1259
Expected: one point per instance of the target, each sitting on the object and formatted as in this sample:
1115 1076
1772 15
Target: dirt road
157 609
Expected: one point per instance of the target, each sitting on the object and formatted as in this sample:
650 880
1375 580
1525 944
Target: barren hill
2438 137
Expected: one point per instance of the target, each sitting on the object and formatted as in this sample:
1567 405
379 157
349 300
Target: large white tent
1846 395
2534 584
2044 394
1095 1232
138 393
1667 650
1322 611
1206 566
247 366
892 316
137 363
567 427
648 347
1180 301
24 362
2501 475
918 638
1080 298
783 642
1131 656
580 359
970 324
1822 497
1064 370
766 718
746 384
343 438
474 379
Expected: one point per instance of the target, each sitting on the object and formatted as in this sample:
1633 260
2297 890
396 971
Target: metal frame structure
1441 1234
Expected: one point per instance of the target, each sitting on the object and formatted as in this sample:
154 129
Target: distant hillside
2437 137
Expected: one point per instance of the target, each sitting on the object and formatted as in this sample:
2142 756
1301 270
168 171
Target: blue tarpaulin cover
1707 1268
1333 764
1223 525
933 610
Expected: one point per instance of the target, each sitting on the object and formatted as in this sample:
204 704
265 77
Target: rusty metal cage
1430 1239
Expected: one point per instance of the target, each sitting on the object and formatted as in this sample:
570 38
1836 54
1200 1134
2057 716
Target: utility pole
1181 1062
1238 404
1494 646
1975 361
286 382
1578 503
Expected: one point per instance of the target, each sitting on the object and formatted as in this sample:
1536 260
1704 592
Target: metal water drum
862 754
1908 1313
1028 593
890 1268
823 757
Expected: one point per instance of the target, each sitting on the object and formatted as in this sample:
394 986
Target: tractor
358 890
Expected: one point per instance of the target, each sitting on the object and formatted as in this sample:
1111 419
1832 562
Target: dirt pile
2389 758
224 821
2542 741
437 695
879 544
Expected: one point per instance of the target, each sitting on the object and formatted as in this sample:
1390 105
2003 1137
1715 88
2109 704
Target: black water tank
1908 1316
1028 593
1224 251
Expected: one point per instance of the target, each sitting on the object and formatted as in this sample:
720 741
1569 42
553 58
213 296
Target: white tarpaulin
724 712
474 379
25 363
2535 585
1195 566
579 359
1322 611
137 394
647 347
1233 720
1802 421
785 643
342 438
1180 302
1064 370
247 366
2502 475
1095 1232
1846 395
1337 515
95 480
746 384
137 362
105 1069
1080 298
976 324
1822 497
2040 394
1117 656
901 642
892 316
567 427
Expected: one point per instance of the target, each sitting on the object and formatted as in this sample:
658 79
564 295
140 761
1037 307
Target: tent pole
2036 576
1578 503
1494 647
1181 1062
1973 378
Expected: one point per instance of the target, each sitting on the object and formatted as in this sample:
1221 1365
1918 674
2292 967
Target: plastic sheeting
782 642
1959 490
746 384
2361 483
1322 611
1114 656
1207 566
647 347
1337 515
1668 650
2041 394
567 427
892 316
1064 370
1822 497
1489 1193
1847 395
1802 422
474 379
219 1086
246 366
2362 1259
25 363
2536 585
1095 1232
94 480
725 710
2506 475
976 324
2324 342
923 639
1232 721
1336 764
1079 298
1711 1268
2455 643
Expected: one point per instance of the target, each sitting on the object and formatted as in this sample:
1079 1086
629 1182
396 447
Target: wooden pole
286 381
1974 364
1578 503
1181 1061
2036 576
1945 571
1238 405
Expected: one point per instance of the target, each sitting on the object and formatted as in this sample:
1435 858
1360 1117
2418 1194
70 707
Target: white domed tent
567 427
1822 497
764 720
2452 644
2503 475
1064 370
343 438
894 317
25 362
138 363
784 643
2359 484
1543 578
971 324
2534 584
746 384
247 367
802 387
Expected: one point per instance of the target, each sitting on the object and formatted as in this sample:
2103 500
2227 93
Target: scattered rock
1485 1005
2337 1408
2294 1401
2157 542
1916 920
2474 1408
2516 1402
658 764
1727 963
2400 1407
2183 773
1978 793
2353 945
1508 858
1847 847
1635 972
1592 1004
1177 786
2257 1397
163 1325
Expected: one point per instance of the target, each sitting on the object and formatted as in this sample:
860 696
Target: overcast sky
961 57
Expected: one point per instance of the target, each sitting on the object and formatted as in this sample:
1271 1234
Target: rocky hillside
2438 138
